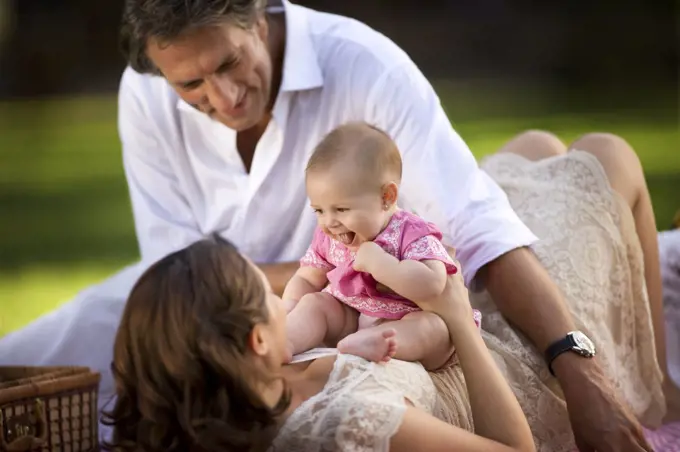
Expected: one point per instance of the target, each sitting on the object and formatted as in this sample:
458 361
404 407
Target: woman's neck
306 379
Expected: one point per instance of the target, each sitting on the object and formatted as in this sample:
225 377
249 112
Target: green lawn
66 218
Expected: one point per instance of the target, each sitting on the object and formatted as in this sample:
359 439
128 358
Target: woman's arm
499 422
422 431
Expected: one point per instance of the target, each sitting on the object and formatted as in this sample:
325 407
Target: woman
198 366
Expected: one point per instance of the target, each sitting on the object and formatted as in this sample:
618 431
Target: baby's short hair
365 146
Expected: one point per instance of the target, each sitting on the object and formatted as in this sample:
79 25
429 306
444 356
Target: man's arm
441 179
444 184
528 298
164 221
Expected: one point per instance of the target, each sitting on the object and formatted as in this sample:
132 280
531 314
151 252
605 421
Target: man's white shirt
187 180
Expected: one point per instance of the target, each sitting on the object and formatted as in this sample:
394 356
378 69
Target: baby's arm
413 280
305 280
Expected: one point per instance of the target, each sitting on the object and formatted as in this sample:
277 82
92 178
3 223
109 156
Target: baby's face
348 209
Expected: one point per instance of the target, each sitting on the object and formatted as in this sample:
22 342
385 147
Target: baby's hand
367 256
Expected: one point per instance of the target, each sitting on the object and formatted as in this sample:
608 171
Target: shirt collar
301 69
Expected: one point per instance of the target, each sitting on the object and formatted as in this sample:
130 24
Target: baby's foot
371 344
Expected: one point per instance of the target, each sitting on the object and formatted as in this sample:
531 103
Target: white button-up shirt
187 180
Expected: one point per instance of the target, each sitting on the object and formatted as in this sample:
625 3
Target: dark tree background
56 47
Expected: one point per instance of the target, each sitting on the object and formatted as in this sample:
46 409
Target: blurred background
499 66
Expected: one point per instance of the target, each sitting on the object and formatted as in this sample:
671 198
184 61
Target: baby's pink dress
407 236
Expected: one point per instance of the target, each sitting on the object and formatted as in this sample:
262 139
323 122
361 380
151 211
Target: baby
362 240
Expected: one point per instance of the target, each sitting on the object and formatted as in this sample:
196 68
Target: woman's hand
453 304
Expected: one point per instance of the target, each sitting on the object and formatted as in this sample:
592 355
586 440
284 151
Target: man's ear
257 342
390 192
262 27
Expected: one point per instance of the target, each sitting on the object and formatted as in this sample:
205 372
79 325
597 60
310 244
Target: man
218 113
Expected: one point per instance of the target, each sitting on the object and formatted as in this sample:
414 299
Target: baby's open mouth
346 238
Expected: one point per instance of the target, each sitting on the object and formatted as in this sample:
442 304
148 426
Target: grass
66 220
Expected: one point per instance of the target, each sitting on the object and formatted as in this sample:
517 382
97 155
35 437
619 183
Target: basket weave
48 409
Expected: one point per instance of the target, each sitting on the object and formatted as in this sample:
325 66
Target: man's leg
80 332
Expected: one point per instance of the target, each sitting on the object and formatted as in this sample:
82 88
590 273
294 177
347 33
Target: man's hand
600 420
527 297
367 256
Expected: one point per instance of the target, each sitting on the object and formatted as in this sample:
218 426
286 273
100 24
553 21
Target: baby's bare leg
420 336
318 317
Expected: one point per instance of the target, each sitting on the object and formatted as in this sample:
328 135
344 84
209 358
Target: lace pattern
590 249
359 409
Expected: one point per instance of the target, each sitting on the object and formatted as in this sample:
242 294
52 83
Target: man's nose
222 94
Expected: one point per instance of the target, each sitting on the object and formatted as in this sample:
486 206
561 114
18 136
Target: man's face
224 70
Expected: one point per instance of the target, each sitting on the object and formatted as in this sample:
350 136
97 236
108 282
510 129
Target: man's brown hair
165 20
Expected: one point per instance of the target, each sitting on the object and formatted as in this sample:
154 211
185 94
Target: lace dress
590 249
359 409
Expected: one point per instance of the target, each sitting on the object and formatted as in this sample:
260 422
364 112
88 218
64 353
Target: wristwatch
576 342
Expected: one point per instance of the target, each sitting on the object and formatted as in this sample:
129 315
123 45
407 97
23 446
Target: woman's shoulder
358 392
401 379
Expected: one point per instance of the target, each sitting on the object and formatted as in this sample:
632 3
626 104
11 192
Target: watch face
582 341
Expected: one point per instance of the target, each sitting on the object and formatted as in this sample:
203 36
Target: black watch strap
563 345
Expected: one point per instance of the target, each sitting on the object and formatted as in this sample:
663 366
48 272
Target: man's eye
228 65
191 85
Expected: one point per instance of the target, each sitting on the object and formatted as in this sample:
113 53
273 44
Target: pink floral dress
406 236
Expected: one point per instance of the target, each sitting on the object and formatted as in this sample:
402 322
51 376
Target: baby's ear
390 194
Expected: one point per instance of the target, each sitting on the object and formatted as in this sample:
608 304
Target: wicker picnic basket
48 409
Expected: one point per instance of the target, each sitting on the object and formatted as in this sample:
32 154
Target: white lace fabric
359 409
589 246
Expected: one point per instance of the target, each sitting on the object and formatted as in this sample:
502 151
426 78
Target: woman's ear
390 194
257 342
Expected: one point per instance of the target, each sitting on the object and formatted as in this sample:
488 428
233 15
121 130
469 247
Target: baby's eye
317 211
342 209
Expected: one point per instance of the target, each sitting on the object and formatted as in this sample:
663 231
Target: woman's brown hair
183 379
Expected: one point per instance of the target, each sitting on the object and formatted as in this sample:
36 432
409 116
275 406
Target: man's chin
238 124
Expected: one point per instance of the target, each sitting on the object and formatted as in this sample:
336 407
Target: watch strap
563 345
